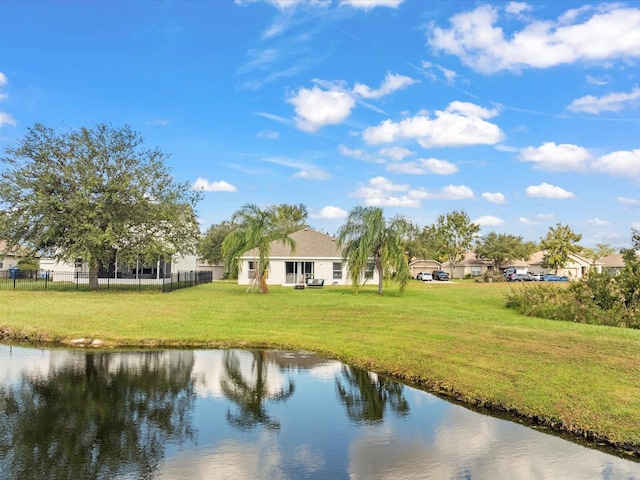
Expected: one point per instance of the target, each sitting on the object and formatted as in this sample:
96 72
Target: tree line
100 195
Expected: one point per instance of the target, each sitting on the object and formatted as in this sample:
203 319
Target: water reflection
95 415
251 392
366 395
254 414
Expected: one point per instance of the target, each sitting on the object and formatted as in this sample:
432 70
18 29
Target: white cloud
526 221
391 83
424 166
610 33
451 192
628 201
494 197
305 170
489 221
613 102
7 119
269 134
545 190
461 124
316 108
312 174
598 222
623 163
329 213
370 4
395 153
207 186
427 70
517 8
3 79
381 192
358 154
563 157
602 80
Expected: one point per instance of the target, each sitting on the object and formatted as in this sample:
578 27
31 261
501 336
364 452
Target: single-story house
613 264
416 266
469 266
316 256
576 268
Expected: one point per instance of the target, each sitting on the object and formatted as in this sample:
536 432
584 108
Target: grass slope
455 338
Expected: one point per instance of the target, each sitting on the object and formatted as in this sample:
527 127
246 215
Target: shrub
597 300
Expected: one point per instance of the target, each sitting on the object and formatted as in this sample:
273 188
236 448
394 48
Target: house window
78 263
252 269
476 271
337 270
368 273
1 264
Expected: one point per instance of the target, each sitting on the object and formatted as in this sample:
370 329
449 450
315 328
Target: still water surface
237 414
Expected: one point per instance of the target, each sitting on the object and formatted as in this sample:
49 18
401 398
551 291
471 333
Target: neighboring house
158 269
316 256
613 264
416 266
576 268
469 266
217 271
8 259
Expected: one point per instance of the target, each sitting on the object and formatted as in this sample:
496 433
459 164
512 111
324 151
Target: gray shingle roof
309 244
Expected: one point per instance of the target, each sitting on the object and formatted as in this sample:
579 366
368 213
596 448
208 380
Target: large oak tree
97 194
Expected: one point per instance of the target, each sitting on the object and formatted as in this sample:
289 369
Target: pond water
238 414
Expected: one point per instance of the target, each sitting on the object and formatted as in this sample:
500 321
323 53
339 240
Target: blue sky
522 114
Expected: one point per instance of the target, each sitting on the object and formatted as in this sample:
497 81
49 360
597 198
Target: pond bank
575 434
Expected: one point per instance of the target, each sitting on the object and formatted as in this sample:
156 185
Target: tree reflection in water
251 394
96 417
366 395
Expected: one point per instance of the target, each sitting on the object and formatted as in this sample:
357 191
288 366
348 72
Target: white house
152 270
316 256
8 258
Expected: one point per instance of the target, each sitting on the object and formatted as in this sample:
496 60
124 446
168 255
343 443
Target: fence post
77 286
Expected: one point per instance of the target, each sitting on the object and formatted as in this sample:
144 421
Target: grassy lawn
455 338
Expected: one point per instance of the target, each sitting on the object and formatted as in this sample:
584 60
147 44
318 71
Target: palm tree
251 394
366 395
367 237
255 228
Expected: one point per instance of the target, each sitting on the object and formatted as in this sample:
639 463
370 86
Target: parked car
520 277
440 275
424 276
507 272
536 276
555 278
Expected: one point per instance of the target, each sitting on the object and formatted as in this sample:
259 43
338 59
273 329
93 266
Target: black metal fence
14 279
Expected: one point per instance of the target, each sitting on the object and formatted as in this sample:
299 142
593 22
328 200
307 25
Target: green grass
458 339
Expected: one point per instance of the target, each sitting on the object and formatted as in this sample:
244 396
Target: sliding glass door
298 272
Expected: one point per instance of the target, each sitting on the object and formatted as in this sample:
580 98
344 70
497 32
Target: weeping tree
367 237
97 194
255 229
